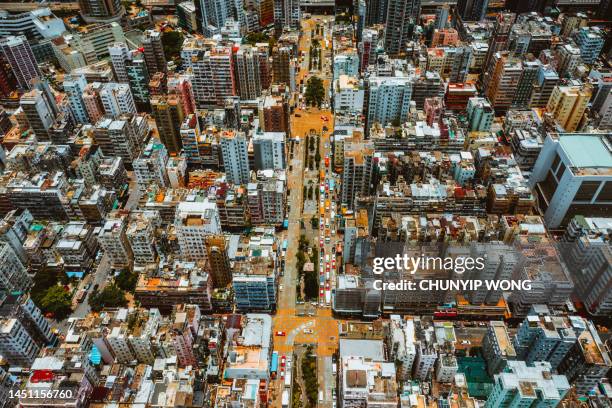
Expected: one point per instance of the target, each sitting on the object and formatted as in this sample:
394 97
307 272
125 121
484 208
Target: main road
321 329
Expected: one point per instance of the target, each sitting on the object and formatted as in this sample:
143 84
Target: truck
288 378
285 399
274 364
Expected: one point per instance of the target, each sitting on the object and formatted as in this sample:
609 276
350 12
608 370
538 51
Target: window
586 191
606 192
555 162
560 171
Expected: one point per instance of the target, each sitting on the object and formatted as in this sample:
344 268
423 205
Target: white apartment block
194 221
113 240
16 345
348 95
235 157
150 166
117 99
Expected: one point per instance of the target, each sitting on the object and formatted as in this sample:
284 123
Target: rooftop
587 150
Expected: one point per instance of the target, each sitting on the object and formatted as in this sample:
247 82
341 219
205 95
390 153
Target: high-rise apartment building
480 114
267 198
40 110
169 115
402 16
527 385
281 65
101 10
269 150
141 235
568 58
543 337
13 275
119 137
247 69
16 345
590 40
591 254
587 362
567 177
154 52
22 307
500 263
388 99
502 81
368 48
213 76
235 157
138 78
119 55
114 241
568 103
497 347
546 80
273 114
218 259
472 10
254 286
74 86
194 222
356 172
499 37
14 231
150 166
20 58
117 99
93 102
286 14
525 88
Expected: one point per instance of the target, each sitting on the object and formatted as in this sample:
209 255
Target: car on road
281 333
308 331
466 342
321 293
297 115
327 285
283 360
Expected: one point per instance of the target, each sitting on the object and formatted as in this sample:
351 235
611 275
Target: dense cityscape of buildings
194 196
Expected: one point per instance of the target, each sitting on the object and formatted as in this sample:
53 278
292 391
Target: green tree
311 285
172 42
314 223
314 91
127 280
110 296
254 38
58 301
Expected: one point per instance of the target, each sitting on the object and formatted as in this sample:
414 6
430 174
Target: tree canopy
315 93
172 42
110 296
58 301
